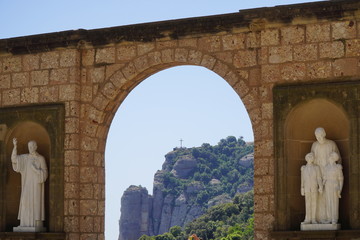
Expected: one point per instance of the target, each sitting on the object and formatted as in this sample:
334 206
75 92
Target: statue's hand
15 142
339 194
320 189
302 192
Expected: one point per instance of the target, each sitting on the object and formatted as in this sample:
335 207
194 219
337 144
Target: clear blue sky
187 102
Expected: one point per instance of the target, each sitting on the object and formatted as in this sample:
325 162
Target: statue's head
32 146
309 157
320 134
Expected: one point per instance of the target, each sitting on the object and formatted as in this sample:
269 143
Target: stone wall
91 73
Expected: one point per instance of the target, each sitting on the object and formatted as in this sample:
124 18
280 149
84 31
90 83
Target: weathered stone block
265 184
245 58
88 57
188 42
194 57
5 80
11 64
319 32
270 73
166 44
72 158
20 79
72 125
210 44
261 203
181 54
233 42
88 207
253 40
105 55
68 92
353 48
125 52
129 71
88 175
110 91
306 52
225 56
49 60
270 37
86 224
293 71
145 48
31 62
38 78
89 144
11 97
254 77
167 55
86 93
332 49
71 141
208 62
30 95
86 191
96 75
141 63
292 35
73 207
343 30
280 54
221 69
346 67
154 58
69 58
319 70
87 158
58 76
49 94
261 166
71 190
71 224
71 174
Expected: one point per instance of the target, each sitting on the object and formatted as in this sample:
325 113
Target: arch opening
185 102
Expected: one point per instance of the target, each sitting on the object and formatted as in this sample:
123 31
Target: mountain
191 181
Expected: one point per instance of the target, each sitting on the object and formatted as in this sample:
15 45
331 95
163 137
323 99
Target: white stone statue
311 186
333 180
33 170
322 149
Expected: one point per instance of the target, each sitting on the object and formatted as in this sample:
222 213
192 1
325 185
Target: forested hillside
191 182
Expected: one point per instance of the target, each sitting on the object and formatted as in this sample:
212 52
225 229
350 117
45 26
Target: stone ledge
315 234
28 236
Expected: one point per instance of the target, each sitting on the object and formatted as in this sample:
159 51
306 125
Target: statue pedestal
319 227
29 229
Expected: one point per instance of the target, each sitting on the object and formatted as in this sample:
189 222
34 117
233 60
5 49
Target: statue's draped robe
333 176
322 153
32 207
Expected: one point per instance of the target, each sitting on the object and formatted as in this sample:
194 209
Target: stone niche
298 110
45 125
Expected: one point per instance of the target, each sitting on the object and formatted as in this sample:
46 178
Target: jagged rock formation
180 193
135 208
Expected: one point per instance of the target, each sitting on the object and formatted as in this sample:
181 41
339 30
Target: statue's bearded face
320 135
32 147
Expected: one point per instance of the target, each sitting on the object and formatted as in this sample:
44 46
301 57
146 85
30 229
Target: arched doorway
187 102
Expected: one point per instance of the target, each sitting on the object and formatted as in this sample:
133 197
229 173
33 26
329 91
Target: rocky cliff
181 193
